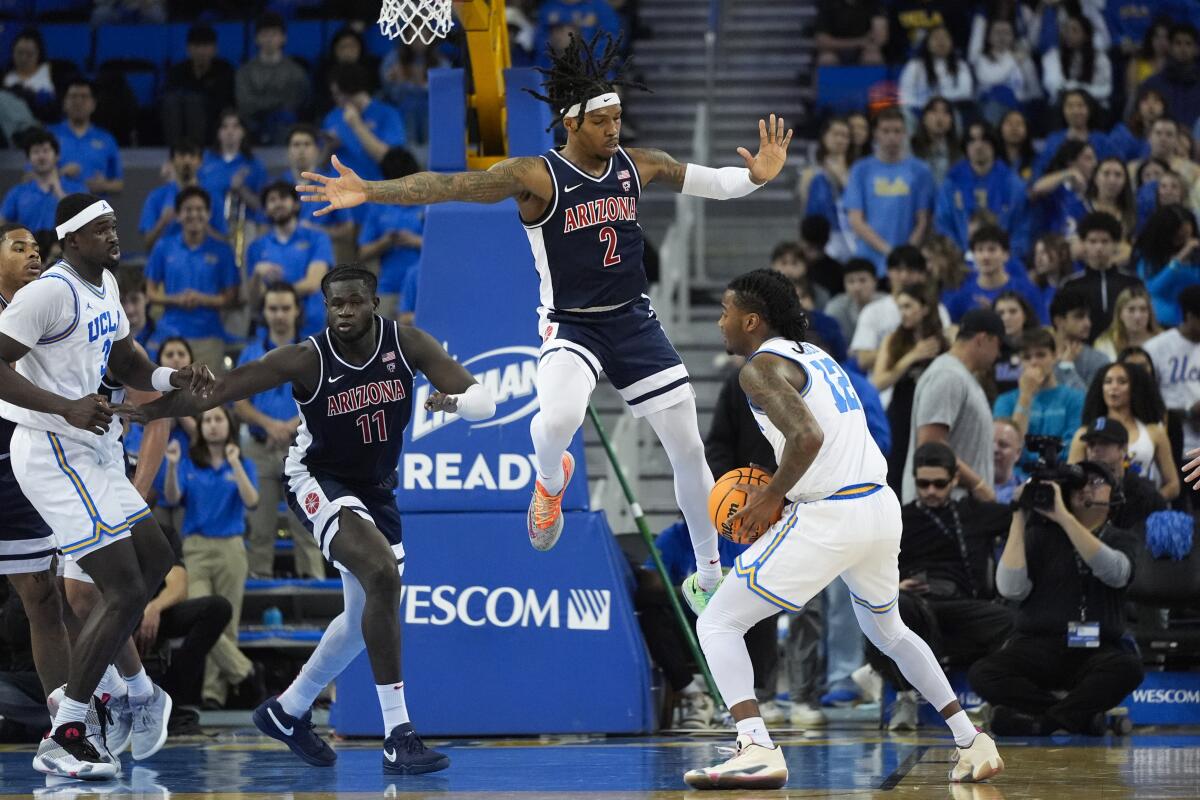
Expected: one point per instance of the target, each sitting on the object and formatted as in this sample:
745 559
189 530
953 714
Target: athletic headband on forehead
599 101
96 209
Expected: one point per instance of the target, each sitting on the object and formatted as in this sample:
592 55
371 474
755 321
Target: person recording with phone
1068 567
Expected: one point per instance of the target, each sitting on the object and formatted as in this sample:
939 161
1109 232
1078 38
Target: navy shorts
317 500
26 541
629 345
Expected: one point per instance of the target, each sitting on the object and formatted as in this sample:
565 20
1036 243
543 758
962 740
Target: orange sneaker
544 520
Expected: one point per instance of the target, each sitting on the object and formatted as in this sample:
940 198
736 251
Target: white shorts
80 491
855 536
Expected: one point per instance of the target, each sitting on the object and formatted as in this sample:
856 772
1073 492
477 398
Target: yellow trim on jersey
99 528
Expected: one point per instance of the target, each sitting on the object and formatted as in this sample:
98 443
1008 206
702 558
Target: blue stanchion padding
528 117
501 639
478 295
447 121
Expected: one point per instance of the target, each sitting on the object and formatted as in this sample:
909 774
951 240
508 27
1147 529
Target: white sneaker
868 682
696 711
978 762
806 715
150 724
100 735
120 726
71 753
771 713
751 767
904 712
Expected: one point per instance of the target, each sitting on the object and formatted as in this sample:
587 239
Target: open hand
440 401
347 190
91 413
197 378
772 151
762 509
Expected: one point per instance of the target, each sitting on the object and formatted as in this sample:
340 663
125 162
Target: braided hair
771 295
580 72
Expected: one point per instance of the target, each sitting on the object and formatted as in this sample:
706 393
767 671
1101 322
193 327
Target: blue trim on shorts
29 556
856 491
883 608
653 393
99 527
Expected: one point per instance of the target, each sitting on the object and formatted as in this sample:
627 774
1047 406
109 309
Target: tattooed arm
658 166
727 183
523 178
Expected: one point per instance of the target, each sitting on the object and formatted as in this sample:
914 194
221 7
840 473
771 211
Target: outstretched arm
457 390
130 365
513 177
295 362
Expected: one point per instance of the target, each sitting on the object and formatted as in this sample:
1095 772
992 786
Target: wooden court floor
840 763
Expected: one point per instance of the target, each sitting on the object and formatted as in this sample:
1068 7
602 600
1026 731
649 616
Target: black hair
345 32
71 205
1066 300
922 143
1066 154
1189 301
1086 51
79 80
184 147
9 227
829 123
35 36
990 135
188 192
1100 221
1027 155
815 230
935 454
1134 350
282 287
201 34
926 57
198 452
131 280
773 297
349 272
1142 168
268 20
1134 122
1145 399
990 233
1186 29
858 265
186 346
907 256
1031 317
1092 106
245 148
280 187
1037 338
582 71
889 113
31 137
349 78
306 128
992 20
398 162
1156 245
786 248
1124 200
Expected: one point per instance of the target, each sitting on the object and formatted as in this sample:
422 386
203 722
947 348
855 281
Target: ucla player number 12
839 385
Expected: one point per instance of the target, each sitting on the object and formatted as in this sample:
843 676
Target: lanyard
955 533
1084 573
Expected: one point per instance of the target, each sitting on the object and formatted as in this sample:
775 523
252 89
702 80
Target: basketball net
410 20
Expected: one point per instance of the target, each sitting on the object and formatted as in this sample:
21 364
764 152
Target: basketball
726 499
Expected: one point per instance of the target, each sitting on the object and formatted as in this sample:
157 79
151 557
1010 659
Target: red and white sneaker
544 520
751 767
70 753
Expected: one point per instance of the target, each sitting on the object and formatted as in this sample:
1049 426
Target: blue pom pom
1169 534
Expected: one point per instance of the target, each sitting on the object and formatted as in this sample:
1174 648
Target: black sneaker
296 732
69 753
404 753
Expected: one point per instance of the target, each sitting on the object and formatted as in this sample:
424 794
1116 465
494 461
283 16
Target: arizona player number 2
608 235
364 424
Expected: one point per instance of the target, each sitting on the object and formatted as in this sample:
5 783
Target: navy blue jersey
6 426
587 246
352 426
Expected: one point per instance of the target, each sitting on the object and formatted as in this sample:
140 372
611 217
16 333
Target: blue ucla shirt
295 255
95 151
216 176
383 121
29 205
395 262
309 208
164 197
212 506
209 268
276 403
1001 191
971 295
890 197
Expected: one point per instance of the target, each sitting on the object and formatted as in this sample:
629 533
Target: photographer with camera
1106 441
1068 566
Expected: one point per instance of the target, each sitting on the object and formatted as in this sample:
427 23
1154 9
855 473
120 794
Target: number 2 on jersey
839 385
608 235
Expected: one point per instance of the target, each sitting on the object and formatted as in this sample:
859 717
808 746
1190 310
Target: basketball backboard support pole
486 31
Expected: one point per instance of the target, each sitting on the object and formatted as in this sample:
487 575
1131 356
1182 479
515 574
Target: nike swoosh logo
715 561
335 380
286 731
572 188
390 755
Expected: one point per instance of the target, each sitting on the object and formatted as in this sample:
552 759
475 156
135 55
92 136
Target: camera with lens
1039 493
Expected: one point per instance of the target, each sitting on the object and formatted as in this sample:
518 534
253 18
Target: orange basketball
726 499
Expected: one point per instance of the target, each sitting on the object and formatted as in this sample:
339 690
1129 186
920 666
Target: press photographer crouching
1068 566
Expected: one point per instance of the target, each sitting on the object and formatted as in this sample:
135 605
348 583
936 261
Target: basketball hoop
426 20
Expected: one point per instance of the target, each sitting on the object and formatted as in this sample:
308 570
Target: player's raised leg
565 381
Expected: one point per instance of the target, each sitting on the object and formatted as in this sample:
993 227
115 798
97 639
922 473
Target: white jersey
69 326
849 463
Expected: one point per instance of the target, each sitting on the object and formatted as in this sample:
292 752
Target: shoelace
413 744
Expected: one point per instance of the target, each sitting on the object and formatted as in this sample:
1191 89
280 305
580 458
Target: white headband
600 101
96 209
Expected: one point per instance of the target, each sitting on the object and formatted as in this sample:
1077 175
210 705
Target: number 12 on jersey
839 385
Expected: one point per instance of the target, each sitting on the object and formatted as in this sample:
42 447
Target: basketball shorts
79 489
630 346
317 501
26 542
854 534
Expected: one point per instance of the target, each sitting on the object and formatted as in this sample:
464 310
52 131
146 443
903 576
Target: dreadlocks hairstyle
771 295
578 74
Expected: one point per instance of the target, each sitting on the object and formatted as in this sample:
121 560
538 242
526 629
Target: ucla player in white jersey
578 204
62 331
839 518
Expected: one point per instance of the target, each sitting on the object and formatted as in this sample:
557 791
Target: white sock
756 729
391 703
963 729
140 687
708 576
112 684
70 711
298 698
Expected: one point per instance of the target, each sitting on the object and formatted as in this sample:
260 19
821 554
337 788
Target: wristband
161 379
